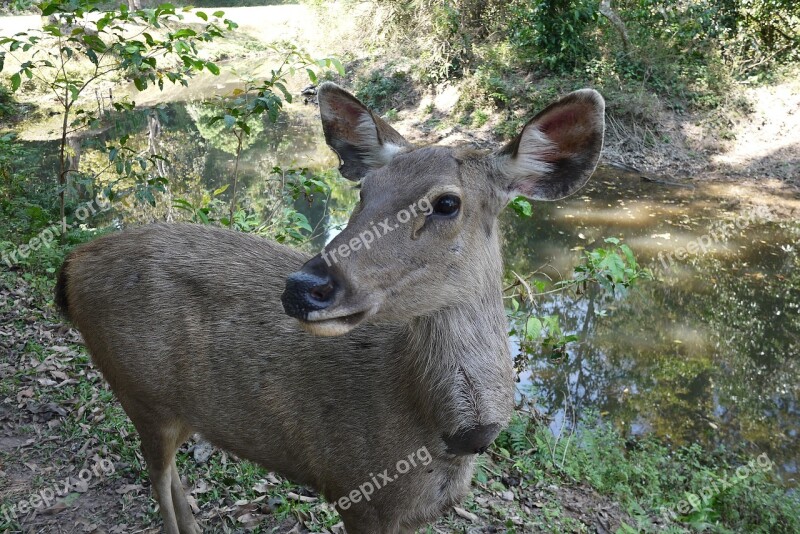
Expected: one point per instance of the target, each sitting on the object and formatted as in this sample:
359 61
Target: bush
553 33
7 105
381 91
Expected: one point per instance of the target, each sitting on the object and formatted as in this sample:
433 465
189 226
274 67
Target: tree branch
608 12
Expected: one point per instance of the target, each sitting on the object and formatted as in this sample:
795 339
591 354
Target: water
709 353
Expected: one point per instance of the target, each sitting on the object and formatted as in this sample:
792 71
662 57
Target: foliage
446 31
652 480
265 98
613 269
22 199
132 166
7 104
750 34
379 91
554 32
79 32
689 52
279 220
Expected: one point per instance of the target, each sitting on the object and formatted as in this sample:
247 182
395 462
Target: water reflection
709 353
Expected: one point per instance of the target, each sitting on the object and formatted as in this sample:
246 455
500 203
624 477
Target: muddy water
710 352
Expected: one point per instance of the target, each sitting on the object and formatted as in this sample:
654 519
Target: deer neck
457 364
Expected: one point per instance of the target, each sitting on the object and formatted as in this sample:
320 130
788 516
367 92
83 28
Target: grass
684 489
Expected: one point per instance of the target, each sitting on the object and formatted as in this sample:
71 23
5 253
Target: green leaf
302 222
219 14
95 43
92 56
182 204
338 65
522 207
53 30
311 75
184 32
629 255
49 9
533 328
201 15
15 81
212 68
140 84
286 94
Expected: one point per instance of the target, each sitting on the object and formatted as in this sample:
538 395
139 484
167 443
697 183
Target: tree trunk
608 12
62 168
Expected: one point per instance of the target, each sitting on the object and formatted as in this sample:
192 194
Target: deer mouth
322 324
322 302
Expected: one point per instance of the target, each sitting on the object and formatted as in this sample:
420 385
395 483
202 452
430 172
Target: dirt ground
757 141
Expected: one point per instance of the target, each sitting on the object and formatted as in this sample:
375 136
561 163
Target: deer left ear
362 140
557 150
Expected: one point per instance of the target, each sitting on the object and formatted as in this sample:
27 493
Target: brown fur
186 324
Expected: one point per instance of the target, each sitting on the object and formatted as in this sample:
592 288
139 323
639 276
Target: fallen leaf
301 498
127 488
465 514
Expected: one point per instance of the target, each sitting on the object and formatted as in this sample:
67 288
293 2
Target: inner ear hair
557 150
362 140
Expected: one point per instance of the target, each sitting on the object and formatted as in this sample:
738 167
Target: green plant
381 92
613 269
554 32
20 200
479 118
7 104
79 32
263 98
279 220
649 478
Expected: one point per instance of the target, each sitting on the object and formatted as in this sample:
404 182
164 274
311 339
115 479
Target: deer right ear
557 151
362 140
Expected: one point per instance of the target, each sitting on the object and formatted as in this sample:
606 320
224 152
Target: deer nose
312 288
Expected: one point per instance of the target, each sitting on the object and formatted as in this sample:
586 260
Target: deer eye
447 205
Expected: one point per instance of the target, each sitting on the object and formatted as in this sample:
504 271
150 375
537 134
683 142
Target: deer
331 370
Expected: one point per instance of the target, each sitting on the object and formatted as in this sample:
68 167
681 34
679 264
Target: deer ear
556 151
362 140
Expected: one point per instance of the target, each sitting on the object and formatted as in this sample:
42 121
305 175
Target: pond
709 352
